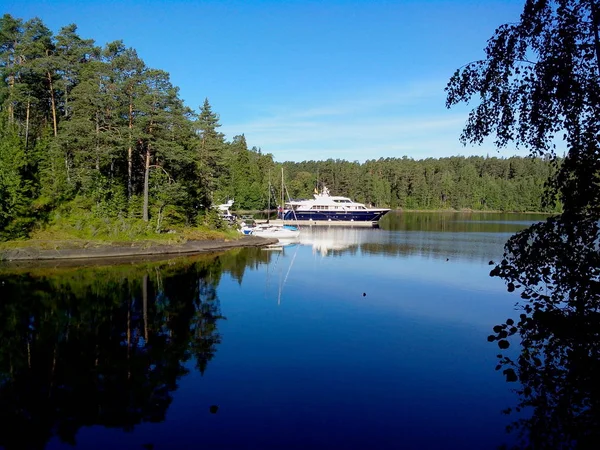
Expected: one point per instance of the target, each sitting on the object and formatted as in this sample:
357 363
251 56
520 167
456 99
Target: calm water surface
351 338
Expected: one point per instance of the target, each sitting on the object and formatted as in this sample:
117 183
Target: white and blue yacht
326 207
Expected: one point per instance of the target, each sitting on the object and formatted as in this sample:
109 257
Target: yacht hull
341 216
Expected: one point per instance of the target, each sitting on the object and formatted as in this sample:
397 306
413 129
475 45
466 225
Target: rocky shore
133 250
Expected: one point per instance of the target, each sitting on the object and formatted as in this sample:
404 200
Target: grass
90 232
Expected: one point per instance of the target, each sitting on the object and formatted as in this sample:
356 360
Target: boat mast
269 198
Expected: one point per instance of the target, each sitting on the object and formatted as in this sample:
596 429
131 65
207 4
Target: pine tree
211 153
11 34
14 195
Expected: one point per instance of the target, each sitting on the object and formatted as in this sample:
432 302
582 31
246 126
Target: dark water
352 338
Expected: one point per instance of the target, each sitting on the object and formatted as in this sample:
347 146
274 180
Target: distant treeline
91 133
457 182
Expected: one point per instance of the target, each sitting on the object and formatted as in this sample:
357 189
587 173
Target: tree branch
595 20
162 168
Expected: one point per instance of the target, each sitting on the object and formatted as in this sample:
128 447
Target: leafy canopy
538 86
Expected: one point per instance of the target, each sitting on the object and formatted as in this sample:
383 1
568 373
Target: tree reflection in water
555 265
100 345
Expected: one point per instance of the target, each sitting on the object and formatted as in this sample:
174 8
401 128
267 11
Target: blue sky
303 80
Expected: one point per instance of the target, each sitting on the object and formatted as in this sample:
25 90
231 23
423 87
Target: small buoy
364 294
214 409
447 259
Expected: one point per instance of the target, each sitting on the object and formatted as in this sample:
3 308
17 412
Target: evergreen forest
92 139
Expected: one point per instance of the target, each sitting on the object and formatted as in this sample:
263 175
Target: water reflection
465 236
101 345
459 222
333 240
555 265
370 346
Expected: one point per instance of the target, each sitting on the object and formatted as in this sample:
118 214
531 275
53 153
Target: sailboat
281 232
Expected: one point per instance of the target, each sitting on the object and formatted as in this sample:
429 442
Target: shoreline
465 210
93 250
131 251
470 211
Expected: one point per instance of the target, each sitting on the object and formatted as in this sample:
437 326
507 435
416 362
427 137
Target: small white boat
224 211
282 231
266 230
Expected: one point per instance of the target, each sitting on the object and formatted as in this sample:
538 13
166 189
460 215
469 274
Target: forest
92 139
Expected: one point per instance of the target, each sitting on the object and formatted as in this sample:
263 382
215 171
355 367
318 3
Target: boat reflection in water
431 236
327 240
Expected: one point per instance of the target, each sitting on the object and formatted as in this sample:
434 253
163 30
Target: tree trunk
159 218
13 61
146 182
67 167
596 22
128 338
147 174
11 109
27 123
145 306
53 102
53 371
97 143
130 153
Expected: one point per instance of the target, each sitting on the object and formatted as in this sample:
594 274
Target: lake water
351 338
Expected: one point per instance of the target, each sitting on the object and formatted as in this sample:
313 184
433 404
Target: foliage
78 228
97 128
555 266
211 219
14 198
538 87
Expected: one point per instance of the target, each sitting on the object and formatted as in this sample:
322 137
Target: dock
321 223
